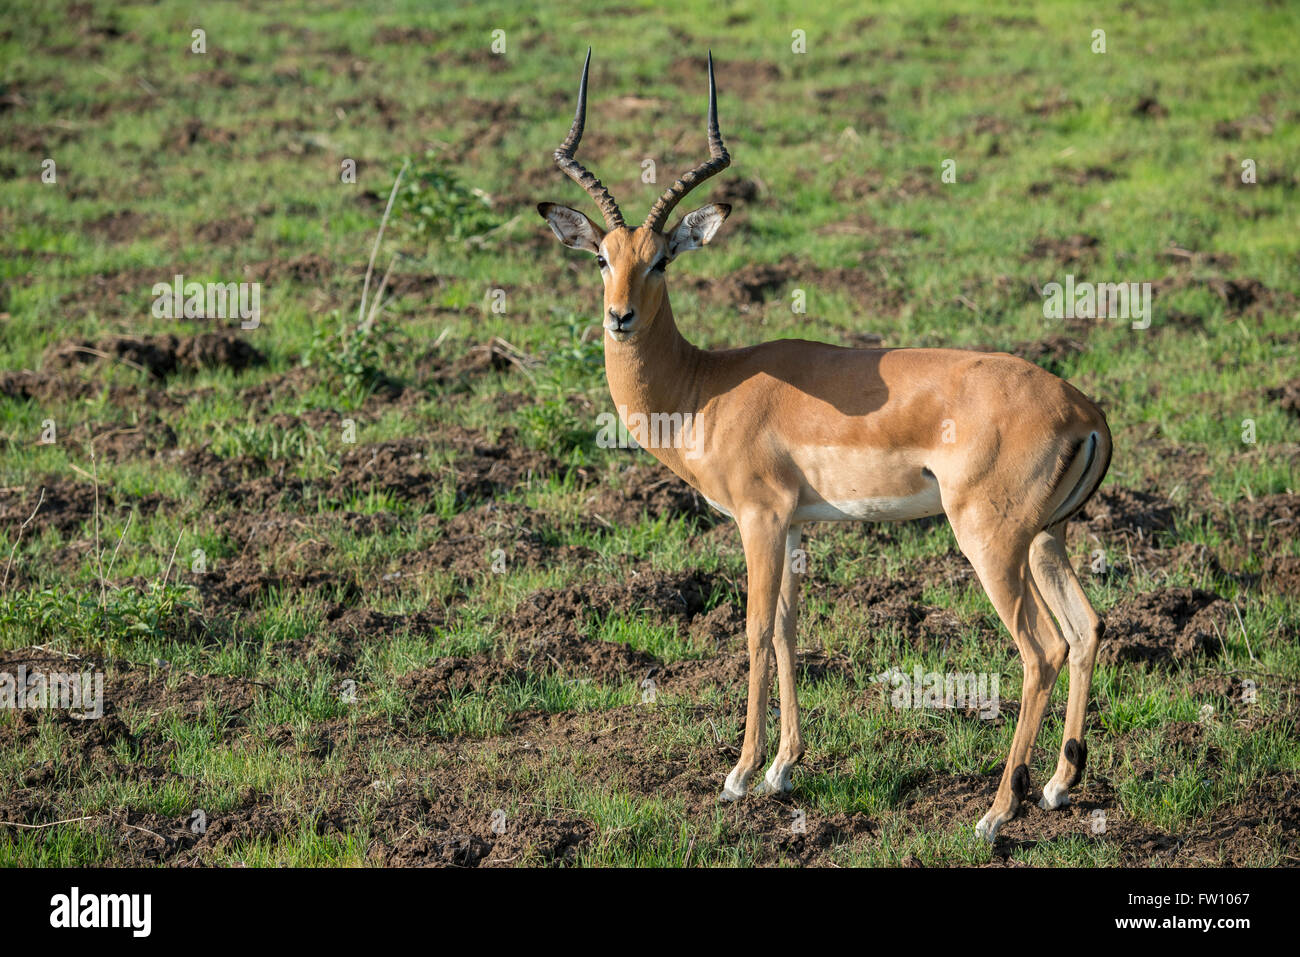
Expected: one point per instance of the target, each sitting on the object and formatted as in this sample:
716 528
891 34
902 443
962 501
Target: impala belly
839 486
874 509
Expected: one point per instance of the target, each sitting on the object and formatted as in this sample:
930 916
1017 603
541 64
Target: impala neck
654 372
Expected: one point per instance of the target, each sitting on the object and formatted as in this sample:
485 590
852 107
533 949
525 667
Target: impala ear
571 227
696 228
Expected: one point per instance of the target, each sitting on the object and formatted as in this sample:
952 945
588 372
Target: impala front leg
763 534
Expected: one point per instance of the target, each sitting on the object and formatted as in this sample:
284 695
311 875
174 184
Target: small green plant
550 425
150 612
433 204
353 359
575 365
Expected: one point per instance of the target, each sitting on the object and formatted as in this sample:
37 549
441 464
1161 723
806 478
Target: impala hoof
737 783
776 781
987 827
1054 796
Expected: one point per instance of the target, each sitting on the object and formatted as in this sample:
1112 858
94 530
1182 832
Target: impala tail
1083 475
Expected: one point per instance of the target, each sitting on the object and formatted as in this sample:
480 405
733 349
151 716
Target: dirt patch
752 284
67 506
740 190
531 840
310 269
915 182
1278 513
1246 128
494 537
278 387
53 388
108 292
242 584
1240 295
1118 512
547 633
189 693
402 469
402 35
1076 248
284 552
757 283
938 800
214 468
664 596
459 373
893 603
617 755
298 537
743 78
1073 176
1164 628
128 690
194 132
1287 396
410 824
160 356
398 467
648 490
1052 353
1233 691
147 438
234 231
485 470
121 226
1229 836
1149 108
1280 575
348 630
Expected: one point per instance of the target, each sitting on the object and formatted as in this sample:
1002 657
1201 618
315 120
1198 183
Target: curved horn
575 170
719 159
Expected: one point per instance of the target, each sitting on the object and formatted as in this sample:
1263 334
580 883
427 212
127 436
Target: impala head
633 260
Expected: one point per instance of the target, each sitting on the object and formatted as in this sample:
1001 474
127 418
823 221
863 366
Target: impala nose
620 322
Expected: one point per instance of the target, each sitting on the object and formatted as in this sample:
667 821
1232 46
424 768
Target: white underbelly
883 509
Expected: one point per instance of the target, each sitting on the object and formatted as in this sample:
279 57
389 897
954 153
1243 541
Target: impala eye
600 261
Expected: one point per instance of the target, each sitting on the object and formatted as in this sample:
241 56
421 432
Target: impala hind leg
1063 593
763 533
1001 560
777 778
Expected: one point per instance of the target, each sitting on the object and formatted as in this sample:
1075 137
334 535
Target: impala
792 431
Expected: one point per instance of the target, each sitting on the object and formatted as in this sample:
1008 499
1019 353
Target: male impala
792 431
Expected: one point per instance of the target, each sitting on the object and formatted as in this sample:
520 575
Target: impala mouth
619 331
